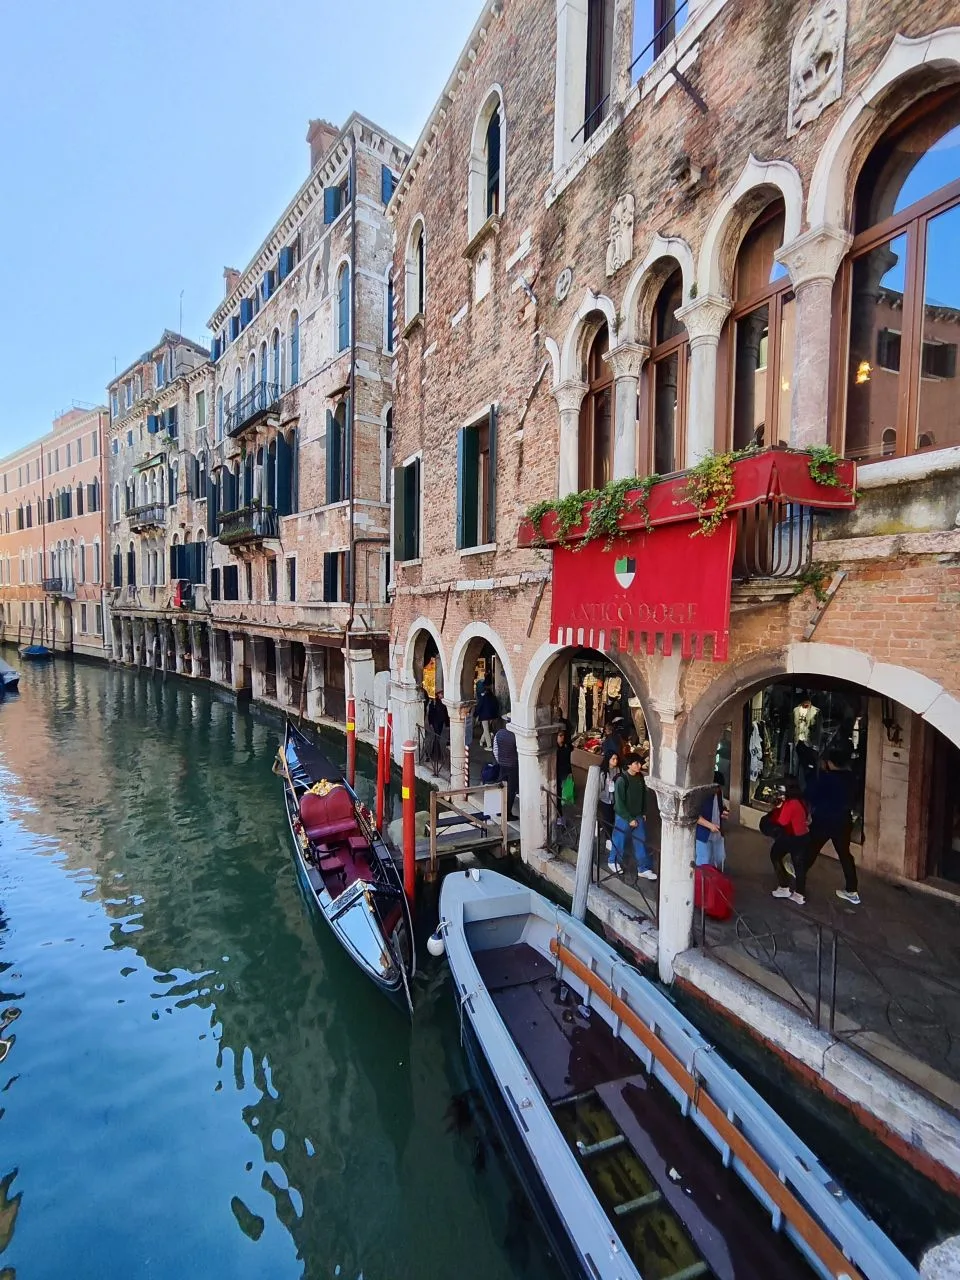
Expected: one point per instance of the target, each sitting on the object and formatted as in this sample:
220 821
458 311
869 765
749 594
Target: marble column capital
815 255
704 317
569 395
680 805
626 359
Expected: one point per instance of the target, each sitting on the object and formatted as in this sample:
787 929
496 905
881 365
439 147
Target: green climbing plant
815 578
710 489
608 506
822 466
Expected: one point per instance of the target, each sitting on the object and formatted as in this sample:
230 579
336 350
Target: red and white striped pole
351 741
408 793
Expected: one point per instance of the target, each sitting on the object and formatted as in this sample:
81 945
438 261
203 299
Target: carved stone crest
816 63
620 242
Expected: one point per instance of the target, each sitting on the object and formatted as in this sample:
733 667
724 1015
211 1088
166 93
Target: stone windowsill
918 466
483 549
489 230
413 324
409 564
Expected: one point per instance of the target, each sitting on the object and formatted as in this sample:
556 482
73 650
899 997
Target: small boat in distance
646 1156
345 867
37 653
9 678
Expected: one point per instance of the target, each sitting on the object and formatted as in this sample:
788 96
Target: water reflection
202 1083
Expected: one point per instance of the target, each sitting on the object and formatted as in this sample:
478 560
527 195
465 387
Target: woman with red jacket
793 837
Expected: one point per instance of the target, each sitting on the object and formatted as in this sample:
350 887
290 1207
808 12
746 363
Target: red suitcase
713 891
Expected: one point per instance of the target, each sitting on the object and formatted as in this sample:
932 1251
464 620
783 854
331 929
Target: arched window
758 338
219 413
131 565
96 561
487 166
263 364
251 373
173 481
415 281
79 499
902 289
596 417
71 564
115 505
275 362
294 348
117 568
82 571
237 393
343 307
666 379
201 475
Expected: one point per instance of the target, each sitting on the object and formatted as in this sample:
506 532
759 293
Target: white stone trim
918 466
571 354
422 624
661 247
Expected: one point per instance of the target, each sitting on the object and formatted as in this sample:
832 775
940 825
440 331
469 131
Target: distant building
53 539
156 499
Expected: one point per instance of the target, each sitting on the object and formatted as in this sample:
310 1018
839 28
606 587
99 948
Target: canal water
198 1083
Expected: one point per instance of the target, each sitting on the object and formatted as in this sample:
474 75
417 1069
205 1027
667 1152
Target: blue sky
146 147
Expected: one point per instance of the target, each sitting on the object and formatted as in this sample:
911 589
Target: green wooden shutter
413 508
492 475
399 513
332 451
284 478
348 449
467 460
329 569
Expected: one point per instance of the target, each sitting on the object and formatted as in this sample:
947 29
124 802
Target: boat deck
679 1213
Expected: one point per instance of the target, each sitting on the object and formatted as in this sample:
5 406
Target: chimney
321 135
231 278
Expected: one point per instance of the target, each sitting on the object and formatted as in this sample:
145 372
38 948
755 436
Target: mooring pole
588 831
351 741
389 746
381 773
409 797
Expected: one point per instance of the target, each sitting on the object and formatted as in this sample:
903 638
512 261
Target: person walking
564 766
710 847
438 721
505 754
791 823
609 773
487 711
629 827
831 801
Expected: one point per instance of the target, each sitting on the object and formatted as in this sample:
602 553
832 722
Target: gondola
644 1153
36 653
345 868
9 678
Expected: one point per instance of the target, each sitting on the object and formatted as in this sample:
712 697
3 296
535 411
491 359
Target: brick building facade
53 537
620 253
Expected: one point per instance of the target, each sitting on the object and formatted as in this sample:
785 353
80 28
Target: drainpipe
351 541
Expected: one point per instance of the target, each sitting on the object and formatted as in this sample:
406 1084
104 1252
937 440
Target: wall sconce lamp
888 714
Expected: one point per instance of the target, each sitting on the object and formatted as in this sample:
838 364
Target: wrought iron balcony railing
248 525
53 586
152 516
261 399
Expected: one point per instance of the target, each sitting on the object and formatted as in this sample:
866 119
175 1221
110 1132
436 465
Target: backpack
490 773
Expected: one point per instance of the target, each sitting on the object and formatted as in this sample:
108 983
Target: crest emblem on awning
625 570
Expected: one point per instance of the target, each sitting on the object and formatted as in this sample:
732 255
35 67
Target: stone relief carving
620 242
816 63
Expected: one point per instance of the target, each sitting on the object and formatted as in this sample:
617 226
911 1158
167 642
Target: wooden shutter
284 505
413 509
386 183
329 575
331 204
492 475
295 473
332 452
467 458
348 448
399 512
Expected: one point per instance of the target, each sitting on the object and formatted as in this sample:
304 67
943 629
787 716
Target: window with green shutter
477 482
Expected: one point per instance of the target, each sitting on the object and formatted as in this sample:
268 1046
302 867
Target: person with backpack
629 806
609 773
831 801
789 823
486 712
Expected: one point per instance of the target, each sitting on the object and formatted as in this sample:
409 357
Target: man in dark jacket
487 711
438 721
629 826
505 754
830 796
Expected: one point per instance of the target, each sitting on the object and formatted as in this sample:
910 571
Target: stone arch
468 641
415 636
546 664
912 690
581 331
477 164
925 63
664 254
759 183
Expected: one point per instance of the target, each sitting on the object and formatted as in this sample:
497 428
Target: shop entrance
941 763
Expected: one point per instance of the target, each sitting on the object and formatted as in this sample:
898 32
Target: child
792 819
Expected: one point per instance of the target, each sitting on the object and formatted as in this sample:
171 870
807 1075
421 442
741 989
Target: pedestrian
629 827
791 823
487 711
564 770
438 721
711 850
613 741
505 754
831 801
609 773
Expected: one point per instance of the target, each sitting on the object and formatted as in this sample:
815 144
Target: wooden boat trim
799 1218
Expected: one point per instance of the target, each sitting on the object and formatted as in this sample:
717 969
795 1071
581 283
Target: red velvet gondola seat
328 818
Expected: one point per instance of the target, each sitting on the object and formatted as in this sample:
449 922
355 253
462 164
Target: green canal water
199 1084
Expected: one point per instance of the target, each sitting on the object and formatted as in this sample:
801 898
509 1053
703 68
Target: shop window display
788 730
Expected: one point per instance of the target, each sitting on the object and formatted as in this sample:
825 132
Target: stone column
620 77
679 810
362 671
237 641
258 666
313 674
459 714
406 703
704 319
196 664
216 660
284 674
569 396
813 260
626 360
181 639
534 760
150 643
169 645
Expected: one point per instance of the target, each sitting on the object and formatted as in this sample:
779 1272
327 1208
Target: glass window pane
873 371
665 386
750 378
669 301
938 417
785 394
602 438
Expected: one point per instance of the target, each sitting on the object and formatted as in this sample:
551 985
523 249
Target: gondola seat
328 818
358 843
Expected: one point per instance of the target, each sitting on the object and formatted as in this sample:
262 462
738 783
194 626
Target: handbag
568 792
490 772
770 827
